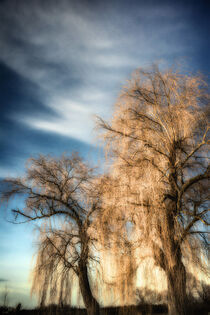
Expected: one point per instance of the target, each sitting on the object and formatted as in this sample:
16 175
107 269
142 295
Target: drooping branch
196 218
202 143
193 180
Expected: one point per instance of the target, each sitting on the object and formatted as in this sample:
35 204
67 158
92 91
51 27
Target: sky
62 63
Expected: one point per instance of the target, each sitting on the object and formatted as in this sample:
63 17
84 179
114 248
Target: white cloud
74 120
78 56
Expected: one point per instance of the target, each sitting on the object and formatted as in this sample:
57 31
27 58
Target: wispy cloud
79 55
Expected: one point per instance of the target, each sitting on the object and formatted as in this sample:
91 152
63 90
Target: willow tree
117 246
59 192
157 139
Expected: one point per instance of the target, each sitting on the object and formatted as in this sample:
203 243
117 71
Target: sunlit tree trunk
90 302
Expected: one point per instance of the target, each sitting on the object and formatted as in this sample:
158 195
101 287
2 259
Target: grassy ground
143 309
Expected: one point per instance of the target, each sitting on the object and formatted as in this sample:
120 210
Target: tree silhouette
59 192
157 140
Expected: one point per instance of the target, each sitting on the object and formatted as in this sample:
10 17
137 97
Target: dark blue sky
62 62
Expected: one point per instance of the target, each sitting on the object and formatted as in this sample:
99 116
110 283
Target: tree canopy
61 193
152 202
158 142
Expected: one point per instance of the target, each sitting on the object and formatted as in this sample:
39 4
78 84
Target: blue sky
61 63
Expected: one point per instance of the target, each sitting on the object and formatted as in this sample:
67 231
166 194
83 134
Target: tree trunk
177 297
172 264
90 302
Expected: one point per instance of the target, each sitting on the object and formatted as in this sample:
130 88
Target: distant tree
158 141
59 192
5 297
18 308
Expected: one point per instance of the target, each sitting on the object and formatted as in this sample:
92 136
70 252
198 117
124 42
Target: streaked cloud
72 50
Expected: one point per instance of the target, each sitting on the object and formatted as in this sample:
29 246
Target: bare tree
158 143
59 192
